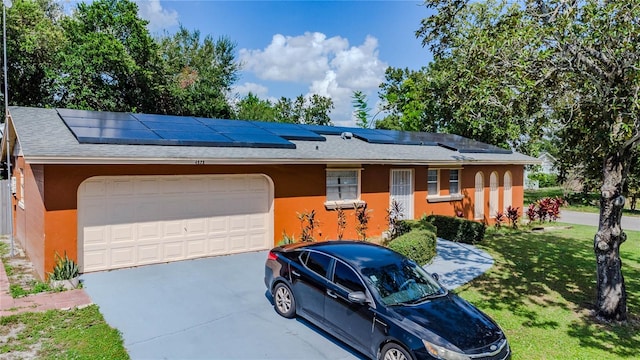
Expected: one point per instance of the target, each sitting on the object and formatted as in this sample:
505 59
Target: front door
402 191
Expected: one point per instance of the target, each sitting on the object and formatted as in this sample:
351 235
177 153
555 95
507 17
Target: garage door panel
238 243
123 256
96 259
196 248
135 220
238 223
256 240
173 250
150 231
149 253
218 245
172 229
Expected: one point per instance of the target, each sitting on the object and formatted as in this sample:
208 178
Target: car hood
452 319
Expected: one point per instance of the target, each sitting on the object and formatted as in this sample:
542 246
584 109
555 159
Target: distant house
116 190
548 163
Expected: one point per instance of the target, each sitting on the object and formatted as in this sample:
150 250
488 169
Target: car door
310 283
352 322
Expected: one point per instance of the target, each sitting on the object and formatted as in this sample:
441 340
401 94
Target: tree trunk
611 302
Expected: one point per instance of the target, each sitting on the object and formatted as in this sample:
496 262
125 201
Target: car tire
284 301
393 351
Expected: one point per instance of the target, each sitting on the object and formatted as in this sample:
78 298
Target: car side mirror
358 297
436 277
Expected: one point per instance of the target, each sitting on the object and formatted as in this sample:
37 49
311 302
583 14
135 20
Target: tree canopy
102 57
507 73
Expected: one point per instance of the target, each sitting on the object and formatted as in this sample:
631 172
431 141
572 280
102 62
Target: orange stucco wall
48 222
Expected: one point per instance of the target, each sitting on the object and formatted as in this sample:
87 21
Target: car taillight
272 256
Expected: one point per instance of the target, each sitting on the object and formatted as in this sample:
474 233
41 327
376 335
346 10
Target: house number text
199 162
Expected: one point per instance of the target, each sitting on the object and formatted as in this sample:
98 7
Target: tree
34 36
304 110
109 61
462 91
253 108
573 66
313 110
199 73
361 109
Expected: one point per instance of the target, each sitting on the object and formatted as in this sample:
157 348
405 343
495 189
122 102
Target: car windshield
403 283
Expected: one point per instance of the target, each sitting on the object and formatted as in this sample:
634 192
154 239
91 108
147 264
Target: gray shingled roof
44 138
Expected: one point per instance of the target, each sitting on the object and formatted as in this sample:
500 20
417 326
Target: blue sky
290 48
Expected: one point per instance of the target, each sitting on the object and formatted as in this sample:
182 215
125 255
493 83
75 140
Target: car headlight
440 352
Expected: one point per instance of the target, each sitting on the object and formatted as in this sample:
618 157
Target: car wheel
393 351
284 301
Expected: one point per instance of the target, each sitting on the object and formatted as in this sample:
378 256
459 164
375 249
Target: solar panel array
96 127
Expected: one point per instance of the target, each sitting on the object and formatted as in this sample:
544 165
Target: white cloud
329 66
249 87
159 18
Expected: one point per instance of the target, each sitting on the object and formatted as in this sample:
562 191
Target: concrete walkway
457 263
38 302
584 218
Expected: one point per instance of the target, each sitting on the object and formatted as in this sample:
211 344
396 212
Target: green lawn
57 334
542 288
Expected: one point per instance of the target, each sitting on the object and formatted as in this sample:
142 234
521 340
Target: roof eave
44 160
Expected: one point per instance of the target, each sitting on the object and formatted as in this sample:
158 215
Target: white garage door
126 221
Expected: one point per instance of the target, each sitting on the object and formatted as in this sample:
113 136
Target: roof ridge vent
346 135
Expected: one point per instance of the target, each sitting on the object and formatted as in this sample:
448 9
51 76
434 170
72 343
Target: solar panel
194 127
108 124
240 130
171 119
100 115
126 128
225 122
175 137
373 136
262 141
327 130
116 136
290 131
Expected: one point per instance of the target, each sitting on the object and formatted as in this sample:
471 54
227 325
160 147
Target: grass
588 204
541 291
55 334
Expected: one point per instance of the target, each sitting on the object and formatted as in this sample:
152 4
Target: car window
402 282
347 278
318 263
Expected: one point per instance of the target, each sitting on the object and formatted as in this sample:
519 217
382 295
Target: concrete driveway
218 307
212 308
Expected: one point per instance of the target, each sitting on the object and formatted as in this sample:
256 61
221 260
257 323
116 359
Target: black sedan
379 302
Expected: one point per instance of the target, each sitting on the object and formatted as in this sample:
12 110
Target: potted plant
65 273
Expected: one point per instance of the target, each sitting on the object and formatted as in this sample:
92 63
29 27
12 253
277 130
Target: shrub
308 224
499 219
362 221
544 209
457 229
64 269
418 245
513 214
544 180
394 214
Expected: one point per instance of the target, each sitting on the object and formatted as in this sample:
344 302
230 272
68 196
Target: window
478 206
342 185
21 194
318 263
508 197
432 182
493 194
454 182
347 278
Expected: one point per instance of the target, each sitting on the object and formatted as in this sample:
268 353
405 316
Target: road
584 218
